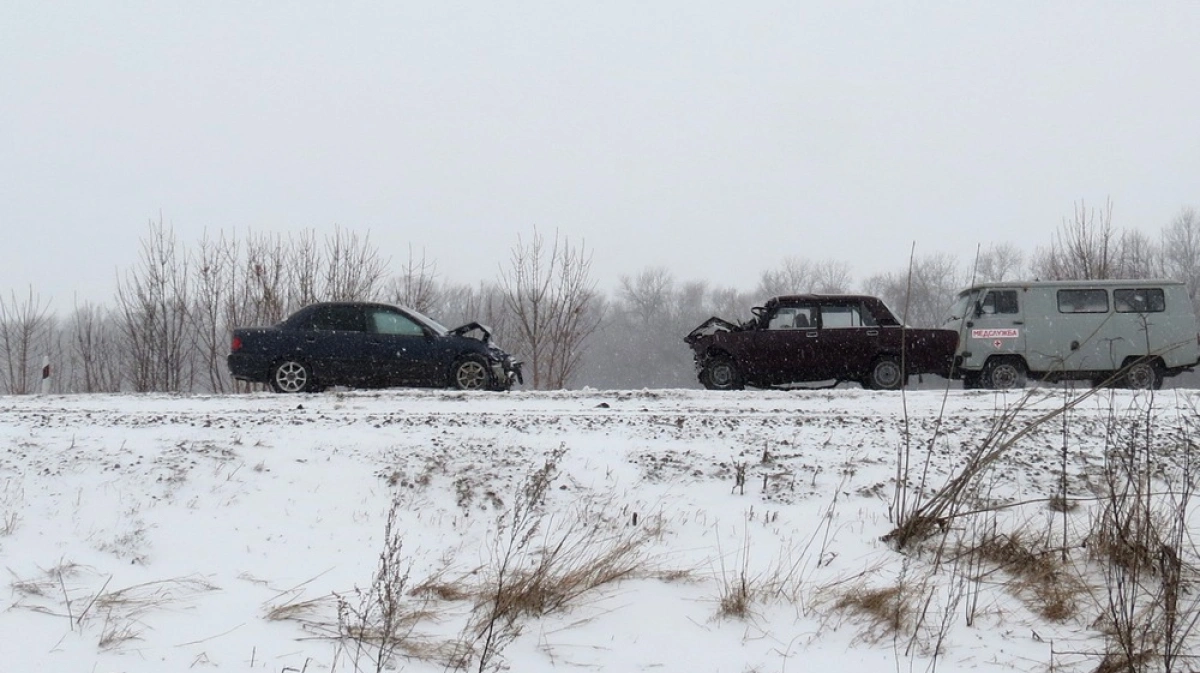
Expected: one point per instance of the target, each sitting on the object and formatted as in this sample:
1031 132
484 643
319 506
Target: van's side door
998 325
1079 333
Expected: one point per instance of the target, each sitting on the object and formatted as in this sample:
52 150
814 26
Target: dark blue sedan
369 345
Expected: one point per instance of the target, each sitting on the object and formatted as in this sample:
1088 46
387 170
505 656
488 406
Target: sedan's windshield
425 320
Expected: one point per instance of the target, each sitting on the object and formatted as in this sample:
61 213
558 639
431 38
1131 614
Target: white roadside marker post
46 375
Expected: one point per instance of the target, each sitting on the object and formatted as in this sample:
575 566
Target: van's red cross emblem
997 343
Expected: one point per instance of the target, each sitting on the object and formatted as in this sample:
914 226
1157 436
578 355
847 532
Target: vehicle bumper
248 367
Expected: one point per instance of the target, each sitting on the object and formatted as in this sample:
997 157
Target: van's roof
1030 284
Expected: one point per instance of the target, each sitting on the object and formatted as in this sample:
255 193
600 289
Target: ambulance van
1128 333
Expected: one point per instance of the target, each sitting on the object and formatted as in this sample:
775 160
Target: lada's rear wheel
721 374
886 374
291 376
1143 376
1004 374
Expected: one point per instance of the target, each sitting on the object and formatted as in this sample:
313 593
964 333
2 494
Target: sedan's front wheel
291 377
470 373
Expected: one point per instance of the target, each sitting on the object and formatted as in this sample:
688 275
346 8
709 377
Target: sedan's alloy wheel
291 377
471 375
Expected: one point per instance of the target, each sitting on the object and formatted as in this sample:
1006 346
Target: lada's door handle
873 332
810 334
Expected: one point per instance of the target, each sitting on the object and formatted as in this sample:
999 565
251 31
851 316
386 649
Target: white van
1124 332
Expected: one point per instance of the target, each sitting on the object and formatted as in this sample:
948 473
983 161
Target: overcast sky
710 138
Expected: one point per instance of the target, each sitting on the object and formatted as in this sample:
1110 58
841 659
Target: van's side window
1145 300
1082 301
1000 301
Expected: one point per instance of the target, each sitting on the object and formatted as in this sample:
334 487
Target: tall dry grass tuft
1036 573
543 565
1142 541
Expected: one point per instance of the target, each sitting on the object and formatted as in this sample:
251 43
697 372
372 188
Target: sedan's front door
402 351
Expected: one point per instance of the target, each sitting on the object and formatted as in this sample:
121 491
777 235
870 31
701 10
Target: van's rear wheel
1004 374
1143 376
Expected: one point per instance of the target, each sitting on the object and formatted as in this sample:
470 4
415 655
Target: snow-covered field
171 533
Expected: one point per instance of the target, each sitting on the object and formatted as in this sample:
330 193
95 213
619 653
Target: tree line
167 327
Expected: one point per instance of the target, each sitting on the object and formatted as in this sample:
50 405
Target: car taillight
236 345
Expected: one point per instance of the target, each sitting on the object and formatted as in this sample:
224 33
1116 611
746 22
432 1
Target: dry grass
1039 578
887 610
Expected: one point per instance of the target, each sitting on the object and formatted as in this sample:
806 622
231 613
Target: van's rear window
1143 300
1083 301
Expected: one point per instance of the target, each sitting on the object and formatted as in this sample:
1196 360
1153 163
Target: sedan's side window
337 318
390 322
845 315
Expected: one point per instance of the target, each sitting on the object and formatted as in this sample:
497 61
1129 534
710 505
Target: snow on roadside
157 532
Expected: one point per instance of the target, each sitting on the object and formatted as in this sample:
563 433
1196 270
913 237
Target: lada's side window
1000 301
1083 301
792 317
845 315
1143 300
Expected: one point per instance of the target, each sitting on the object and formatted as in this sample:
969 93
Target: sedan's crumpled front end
506 371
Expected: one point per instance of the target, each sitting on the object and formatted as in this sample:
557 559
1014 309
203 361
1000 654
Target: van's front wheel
1004 374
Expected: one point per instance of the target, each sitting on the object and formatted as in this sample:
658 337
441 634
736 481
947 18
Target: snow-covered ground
171 533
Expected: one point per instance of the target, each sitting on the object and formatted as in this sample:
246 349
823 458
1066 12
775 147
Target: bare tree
304 263
1181 252
262 287
796 275
1137 257
214 265
1084 247
25 327
555 308
1000 262
934 280
153 303
353 269
94 350
416 286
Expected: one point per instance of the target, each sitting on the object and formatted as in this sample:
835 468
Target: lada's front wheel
721 374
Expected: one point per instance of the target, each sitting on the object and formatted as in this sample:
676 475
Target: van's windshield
965 303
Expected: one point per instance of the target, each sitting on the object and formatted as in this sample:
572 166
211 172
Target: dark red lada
810 338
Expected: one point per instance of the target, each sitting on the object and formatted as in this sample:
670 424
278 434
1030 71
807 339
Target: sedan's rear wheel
291 376
470 373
